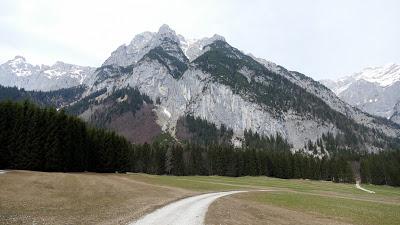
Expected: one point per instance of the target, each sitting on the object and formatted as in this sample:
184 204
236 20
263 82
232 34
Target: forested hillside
43 139
57 98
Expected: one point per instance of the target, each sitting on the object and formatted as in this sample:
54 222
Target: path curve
188 211
363 189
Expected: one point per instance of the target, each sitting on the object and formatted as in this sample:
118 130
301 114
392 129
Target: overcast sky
323 39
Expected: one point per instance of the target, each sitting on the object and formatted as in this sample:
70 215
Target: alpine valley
207 91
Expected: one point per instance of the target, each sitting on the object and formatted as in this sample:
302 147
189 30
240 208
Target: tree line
56 98
382 168
224 160
45 139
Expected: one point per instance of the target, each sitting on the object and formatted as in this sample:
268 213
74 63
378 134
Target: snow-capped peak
374 89
383 75
19 66
18 72
60 69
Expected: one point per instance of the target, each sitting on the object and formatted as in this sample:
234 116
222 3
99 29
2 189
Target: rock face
18 72
210 79
396 113
374 90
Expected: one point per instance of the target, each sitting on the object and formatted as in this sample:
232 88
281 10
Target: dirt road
188 211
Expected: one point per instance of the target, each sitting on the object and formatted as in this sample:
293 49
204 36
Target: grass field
74 198
88 198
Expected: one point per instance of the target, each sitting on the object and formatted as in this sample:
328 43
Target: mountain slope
19 73
373 90
225 87
57 99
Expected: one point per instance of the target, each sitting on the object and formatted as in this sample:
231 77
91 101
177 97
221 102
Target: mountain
18 72
162 80
374 90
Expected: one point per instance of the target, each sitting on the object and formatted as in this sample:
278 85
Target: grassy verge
349 210
217 183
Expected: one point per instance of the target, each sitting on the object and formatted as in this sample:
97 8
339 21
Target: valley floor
90 198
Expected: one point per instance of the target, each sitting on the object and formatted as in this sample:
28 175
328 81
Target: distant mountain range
19 73
160 81
375 90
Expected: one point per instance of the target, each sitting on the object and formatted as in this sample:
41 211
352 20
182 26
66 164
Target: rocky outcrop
396 114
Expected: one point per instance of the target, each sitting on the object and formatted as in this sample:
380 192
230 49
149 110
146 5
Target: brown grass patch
78 198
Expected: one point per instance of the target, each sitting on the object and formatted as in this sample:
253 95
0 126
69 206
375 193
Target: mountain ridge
373 89
20 73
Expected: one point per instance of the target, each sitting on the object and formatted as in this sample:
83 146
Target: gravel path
188 211
363 189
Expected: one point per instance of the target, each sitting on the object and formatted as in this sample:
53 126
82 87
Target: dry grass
78 198
237 210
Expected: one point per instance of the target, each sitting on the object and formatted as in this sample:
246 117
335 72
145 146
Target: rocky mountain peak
166 37
16 61
216 37
166 31
19 66
18 58
18 72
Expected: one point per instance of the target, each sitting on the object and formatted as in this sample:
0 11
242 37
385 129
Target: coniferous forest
44 139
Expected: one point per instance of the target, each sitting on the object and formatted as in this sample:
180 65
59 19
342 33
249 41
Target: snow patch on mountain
18 72
382 76
20 67
374 90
